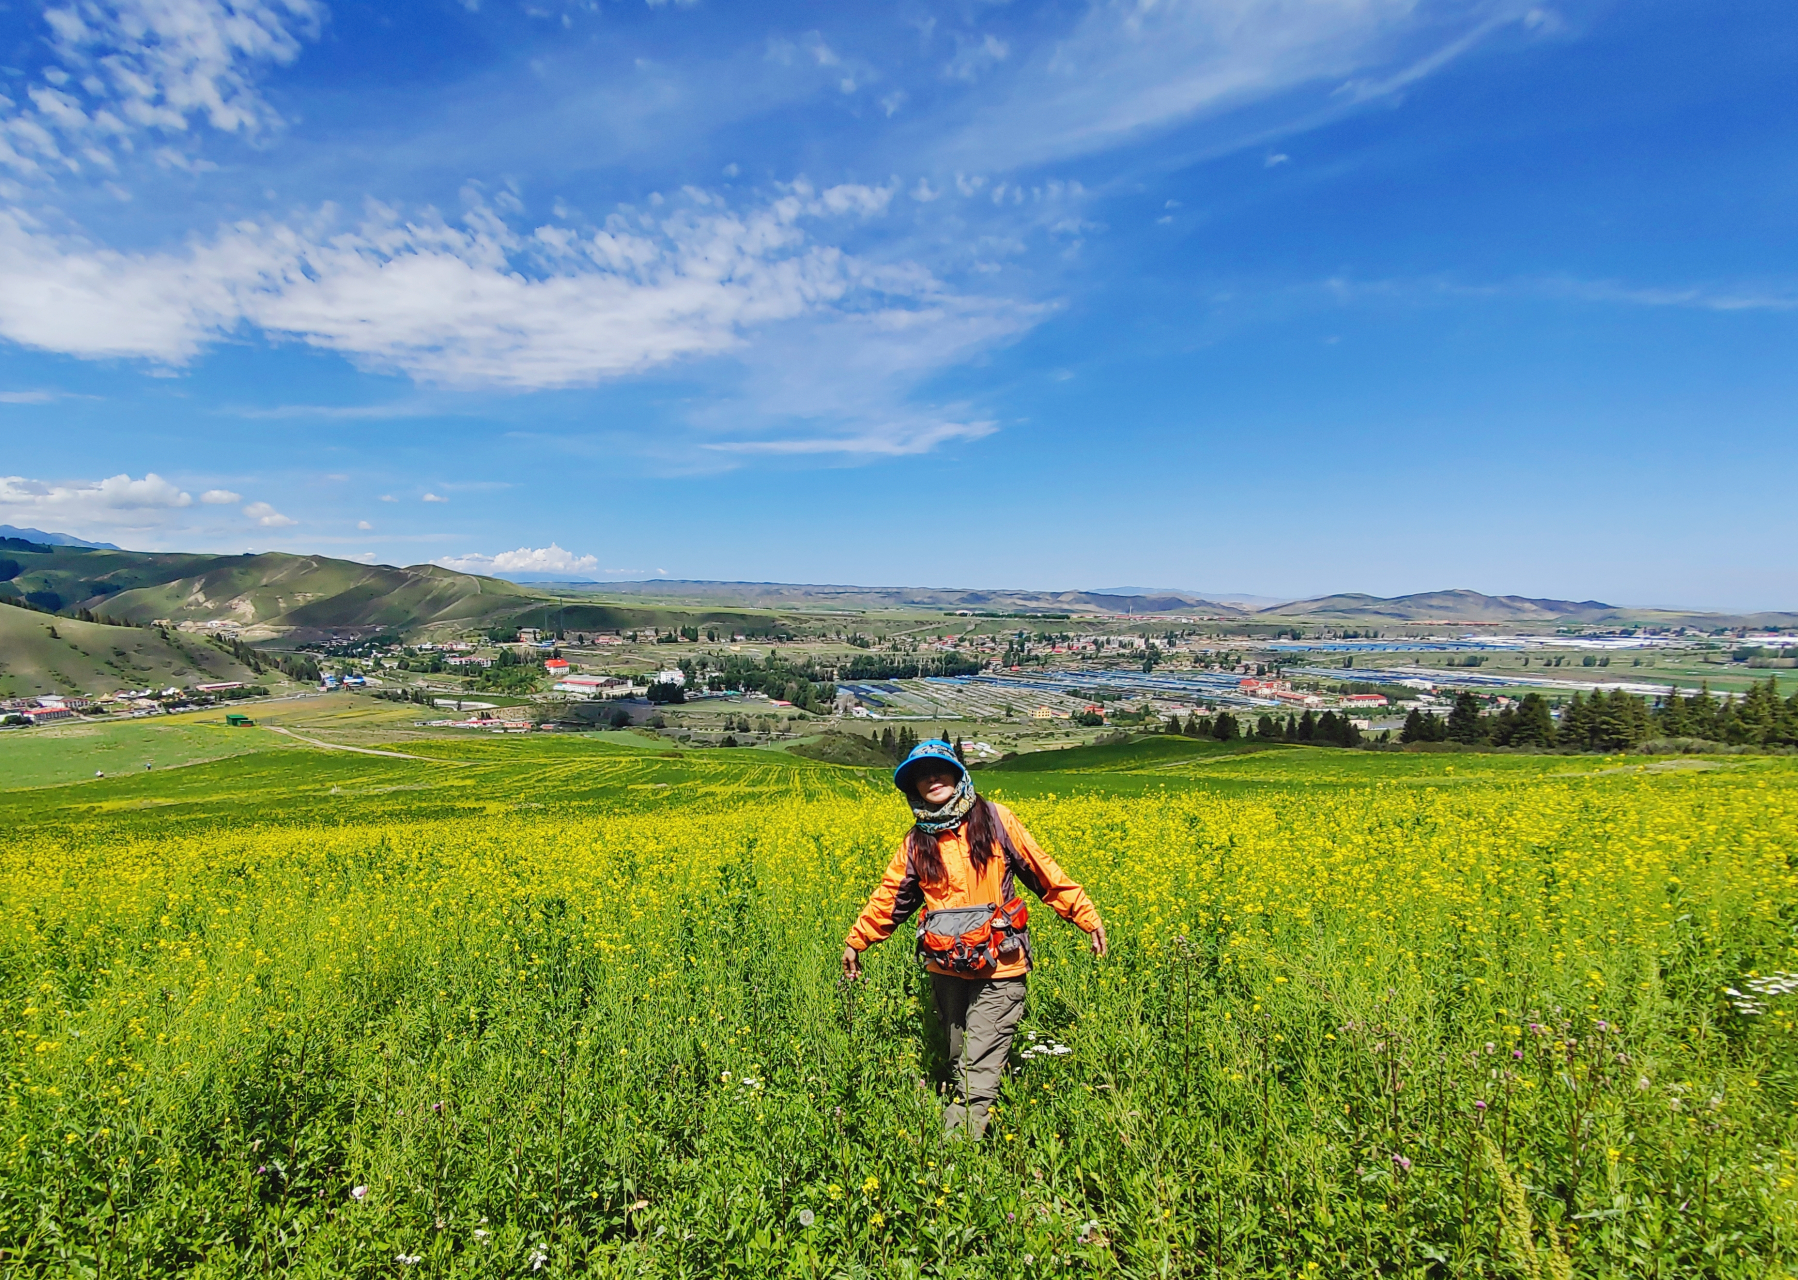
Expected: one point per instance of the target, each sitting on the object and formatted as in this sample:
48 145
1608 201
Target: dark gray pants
980 1016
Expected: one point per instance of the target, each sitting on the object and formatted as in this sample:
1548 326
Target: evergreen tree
1307 728
1621 720
1266 729
1422 726
1465 723
1291 730
1575 730
1528 724
1224 727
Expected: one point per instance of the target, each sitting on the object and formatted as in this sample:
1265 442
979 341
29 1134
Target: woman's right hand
852 964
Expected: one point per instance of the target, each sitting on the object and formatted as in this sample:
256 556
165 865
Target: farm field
568 1006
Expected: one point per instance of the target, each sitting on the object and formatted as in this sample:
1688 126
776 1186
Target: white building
671 676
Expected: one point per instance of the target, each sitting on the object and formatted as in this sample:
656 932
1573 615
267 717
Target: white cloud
1128 69
138 66
220 497
1275 160
266 516
432 497
388 497
480 304
535 560
364 525
892 440
118 502
974 56
27 397
1764 296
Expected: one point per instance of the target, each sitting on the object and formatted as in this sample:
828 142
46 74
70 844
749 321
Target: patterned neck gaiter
936 821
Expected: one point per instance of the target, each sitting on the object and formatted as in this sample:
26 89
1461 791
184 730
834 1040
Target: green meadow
559 1005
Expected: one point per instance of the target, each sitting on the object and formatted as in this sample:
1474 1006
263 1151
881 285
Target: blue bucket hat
930 751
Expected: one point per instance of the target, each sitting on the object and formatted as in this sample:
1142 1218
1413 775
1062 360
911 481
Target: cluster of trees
800 683
1526 723
898 744
1759 718
1328 729
875 666
295 666
1615 720
511 672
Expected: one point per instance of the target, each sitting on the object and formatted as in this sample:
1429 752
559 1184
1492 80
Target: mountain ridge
43 538
1456 605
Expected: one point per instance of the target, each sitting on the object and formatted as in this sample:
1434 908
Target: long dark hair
984 831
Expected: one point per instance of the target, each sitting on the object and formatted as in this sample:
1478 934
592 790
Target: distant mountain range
1459 606
947 599
51 539
300 596
1452 606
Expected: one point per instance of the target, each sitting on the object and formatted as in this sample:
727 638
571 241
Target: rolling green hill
316 593
41 653
281 592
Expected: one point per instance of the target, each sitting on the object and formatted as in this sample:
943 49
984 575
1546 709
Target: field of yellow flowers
1532 1022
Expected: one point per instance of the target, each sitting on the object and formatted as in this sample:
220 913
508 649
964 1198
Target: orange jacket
901 892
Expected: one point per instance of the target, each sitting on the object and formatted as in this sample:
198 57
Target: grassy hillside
69 577
318 593
40 653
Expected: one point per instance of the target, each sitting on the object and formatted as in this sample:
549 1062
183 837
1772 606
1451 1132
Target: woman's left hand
1100 946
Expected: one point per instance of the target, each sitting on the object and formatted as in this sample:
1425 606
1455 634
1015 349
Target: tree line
1326 729
295 666
1615 720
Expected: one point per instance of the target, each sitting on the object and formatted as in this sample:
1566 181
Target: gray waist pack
968 939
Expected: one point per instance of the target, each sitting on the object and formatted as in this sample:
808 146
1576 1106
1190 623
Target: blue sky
1280 297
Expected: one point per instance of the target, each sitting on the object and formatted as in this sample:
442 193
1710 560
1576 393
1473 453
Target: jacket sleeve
1043 876
892 903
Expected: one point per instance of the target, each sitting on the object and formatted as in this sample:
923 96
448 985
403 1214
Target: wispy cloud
342 412
1722 297
1127 70
479 304
893 441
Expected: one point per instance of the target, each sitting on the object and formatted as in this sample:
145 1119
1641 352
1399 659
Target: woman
962 861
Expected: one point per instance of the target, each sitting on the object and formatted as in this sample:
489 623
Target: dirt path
361 751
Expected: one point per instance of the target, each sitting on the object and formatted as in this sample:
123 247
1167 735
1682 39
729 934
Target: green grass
90 658
572 998
74 752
